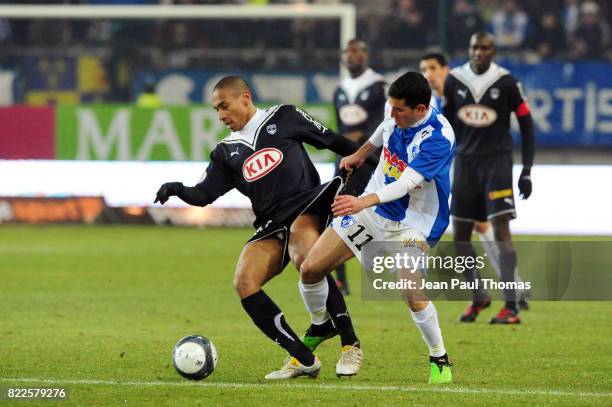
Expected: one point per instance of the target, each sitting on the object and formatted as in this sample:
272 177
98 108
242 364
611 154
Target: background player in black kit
479 98
264 158
359 101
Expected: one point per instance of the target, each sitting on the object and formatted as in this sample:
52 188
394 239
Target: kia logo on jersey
260 163
352 115
477 115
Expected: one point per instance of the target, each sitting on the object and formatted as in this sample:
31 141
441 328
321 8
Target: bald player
480 96
264 158
435 69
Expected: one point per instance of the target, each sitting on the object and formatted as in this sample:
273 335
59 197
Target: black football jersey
267 162
479 108
360 103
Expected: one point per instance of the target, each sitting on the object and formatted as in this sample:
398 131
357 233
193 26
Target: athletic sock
426 321
325 329
487 240
339 314
341 274
508 266
315 296
271 321
472 275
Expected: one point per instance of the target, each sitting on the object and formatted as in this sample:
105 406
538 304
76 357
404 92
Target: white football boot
293 368
350 361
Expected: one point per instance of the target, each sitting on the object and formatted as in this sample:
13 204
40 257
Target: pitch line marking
356 387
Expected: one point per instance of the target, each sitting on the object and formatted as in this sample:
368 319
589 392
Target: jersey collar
353 86
423 120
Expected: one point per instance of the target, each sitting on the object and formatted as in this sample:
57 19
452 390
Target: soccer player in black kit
264 159
479 98
359 102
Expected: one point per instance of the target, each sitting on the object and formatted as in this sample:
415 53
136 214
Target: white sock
315 297
487 239
427 322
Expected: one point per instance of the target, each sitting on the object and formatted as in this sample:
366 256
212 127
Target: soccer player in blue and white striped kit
406 200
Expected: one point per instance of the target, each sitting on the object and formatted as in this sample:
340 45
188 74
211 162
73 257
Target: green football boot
440 370
313 339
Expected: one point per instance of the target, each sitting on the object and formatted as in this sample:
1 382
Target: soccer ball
194 357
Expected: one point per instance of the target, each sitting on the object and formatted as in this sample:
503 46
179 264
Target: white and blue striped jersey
427 147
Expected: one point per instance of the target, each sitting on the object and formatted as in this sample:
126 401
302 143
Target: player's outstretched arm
349 204
215 183
191 195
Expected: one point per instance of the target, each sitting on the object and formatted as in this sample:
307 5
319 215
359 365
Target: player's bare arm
357 159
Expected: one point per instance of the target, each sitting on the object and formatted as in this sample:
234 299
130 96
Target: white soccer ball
194 357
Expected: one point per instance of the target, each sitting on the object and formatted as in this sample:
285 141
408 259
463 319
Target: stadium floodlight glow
346 13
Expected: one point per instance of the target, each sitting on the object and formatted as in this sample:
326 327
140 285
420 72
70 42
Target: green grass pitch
98 310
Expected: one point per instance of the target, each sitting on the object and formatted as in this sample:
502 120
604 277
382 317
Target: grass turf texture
98 310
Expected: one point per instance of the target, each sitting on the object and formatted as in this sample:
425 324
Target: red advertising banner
27 132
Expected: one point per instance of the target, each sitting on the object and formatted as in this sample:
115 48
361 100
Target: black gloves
173 189
524 183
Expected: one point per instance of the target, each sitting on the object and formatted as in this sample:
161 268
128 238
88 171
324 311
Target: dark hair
413 88
437 56
236 83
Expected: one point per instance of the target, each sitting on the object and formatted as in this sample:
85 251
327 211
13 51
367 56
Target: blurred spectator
406 28
590 34
50 32
509 25
549 37
371 29
570 16
464 20
5 30
149 98
486 9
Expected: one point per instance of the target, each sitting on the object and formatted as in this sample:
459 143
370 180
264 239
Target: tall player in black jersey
359 101
435 69
264 159
480 97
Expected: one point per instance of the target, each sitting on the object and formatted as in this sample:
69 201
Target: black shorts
318 204
482 187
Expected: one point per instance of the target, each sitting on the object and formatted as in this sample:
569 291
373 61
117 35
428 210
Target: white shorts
367 226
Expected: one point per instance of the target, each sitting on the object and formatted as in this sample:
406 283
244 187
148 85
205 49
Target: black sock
507 262
341 274
325 329
271 321
339 314
471 275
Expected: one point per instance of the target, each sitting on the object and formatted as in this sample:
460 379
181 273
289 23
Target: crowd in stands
576 29
527 30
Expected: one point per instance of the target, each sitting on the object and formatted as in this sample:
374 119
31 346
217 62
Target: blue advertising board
571 102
